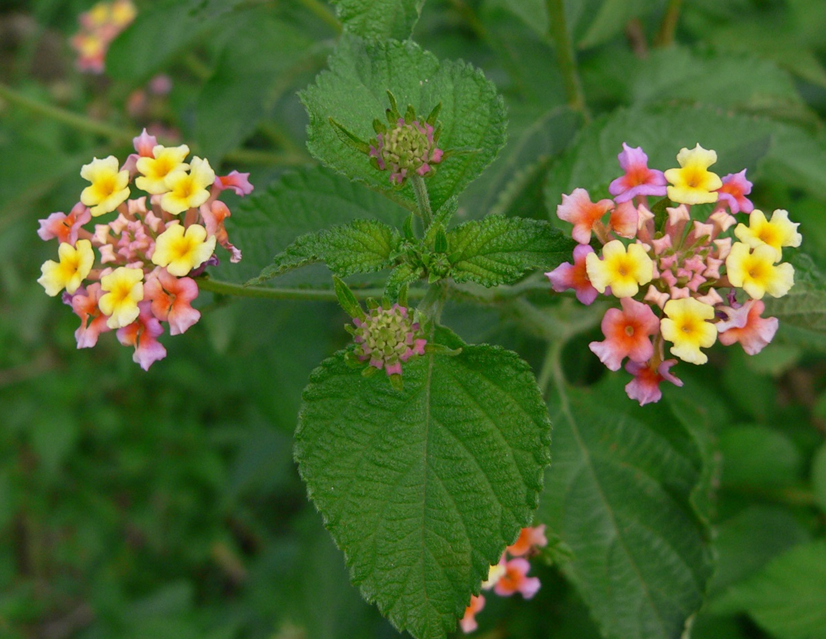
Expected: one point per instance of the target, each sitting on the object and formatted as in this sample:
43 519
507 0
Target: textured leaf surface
788 597
354 93
362 246
498 250
380 19
802 311
423 488
620 495
266 222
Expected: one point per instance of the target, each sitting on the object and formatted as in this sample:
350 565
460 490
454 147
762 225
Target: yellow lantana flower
181 251
756 272
623 270
154 170
188 190
74 266
685 325
777 233
693 183
109 187
123 289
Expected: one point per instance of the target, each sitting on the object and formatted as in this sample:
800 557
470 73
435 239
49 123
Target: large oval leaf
423 488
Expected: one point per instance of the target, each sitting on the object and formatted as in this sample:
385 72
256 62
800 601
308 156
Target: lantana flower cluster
684 283
135 271
509 576
98 27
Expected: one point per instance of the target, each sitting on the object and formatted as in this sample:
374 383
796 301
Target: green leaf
802 311
498 250
423 488
379 19
354 93
620 496
819 477
788 597
749 540
308 200
611 20
254 70
158 33
759 456
362 246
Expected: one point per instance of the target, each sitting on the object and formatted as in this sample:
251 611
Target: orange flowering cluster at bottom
509 576
136 270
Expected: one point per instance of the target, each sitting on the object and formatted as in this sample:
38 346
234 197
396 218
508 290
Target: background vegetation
166 504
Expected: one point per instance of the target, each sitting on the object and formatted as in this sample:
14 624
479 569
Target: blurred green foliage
166 504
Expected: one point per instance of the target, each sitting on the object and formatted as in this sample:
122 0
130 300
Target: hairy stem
271 293
549 366
422 199
558 32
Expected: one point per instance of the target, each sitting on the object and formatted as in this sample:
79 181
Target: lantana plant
135 270
679 279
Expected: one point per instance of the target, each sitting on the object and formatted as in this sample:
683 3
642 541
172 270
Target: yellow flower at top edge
693 183
74 266
154 170
686 327
756 272
109 187
123 289
188 190
181 251
777 233
623 270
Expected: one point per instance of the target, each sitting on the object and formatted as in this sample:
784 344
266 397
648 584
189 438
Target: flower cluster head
407 145
135 270
386 337
682 279
509 576
98 27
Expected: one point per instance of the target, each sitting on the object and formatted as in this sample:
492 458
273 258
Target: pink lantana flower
624 220
515 579
468 621
567 276
143 334
734 191
65 227
627 334
745 325
645 387
171 299
92 321
238 182
214 215
638 178
531 537
578 209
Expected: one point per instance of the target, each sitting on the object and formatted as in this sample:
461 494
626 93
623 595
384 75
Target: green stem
422 199
549 366
558 32
668 27
75 120
321 11
271 293
434 301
